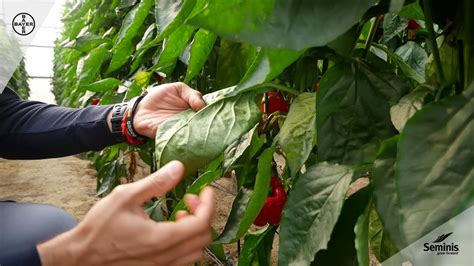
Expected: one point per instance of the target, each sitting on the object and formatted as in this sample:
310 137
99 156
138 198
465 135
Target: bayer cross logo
23 24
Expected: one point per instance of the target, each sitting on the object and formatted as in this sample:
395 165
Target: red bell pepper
274 204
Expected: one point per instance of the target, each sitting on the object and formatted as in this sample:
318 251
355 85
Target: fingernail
175 169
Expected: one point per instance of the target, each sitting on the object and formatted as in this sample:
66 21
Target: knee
54 219
34 223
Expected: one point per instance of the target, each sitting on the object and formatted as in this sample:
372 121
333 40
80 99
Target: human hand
117 231
163 102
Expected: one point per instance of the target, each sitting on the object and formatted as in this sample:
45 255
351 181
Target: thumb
158 183
193 98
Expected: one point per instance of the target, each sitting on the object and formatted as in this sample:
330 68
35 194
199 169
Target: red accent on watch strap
126 133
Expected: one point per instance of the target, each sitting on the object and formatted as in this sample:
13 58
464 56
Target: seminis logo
440 246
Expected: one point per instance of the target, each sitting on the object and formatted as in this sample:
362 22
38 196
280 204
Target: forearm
33 130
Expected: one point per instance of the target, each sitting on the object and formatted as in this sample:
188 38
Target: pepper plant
381 91
9 51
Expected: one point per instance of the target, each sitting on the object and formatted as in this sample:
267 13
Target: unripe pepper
274 204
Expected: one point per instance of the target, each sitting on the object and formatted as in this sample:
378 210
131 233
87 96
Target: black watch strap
118 112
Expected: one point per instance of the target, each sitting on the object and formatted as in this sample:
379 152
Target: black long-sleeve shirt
35 130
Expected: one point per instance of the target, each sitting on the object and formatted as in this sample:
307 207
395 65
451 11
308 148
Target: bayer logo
23 24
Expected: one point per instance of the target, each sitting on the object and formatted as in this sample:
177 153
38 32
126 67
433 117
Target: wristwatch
118 112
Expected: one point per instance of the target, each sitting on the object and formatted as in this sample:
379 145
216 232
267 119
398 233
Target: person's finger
181 214
191 226
191 258
195 101
207 205
192 97
191 244
158 183
192 202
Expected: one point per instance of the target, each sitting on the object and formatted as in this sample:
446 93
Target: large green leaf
198 138
291 24
257 247
86 42
88 68
349 234
409 105
392 25
233 61
407 70
297 136
249 143
173 46
311 212
412 11
353 106
434 170
380 243
124 47
147 36
248 203
201 47
170 14
385 189
449 62
268 64
109 176
104 85
414 55
361 230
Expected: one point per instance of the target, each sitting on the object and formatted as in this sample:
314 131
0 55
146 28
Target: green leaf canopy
353 106
434 168
282 23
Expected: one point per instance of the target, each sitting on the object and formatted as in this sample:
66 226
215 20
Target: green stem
370 38
432 41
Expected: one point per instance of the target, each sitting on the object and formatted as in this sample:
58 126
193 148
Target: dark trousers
27 224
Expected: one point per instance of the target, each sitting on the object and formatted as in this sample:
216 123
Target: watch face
117 116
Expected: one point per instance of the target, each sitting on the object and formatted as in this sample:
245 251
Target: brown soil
67 183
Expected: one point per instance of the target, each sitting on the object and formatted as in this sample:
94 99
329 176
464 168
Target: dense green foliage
10 52
19 81
394 104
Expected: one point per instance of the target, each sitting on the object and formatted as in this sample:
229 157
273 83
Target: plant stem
238 248
432 41
370 38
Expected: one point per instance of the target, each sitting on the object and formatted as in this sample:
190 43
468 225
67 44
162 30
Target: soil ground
68 183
